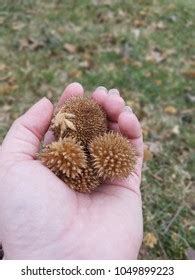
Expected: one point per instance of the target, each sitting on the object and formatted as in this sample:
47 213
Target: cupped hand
42 218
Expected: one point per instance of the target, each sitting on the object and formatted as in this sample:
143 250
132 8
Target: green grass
32 57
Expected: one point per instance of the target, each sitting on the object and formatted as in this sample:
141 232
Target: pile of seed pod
85 152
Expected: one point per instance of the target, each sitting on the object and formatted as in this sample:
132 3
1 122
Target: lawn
143 48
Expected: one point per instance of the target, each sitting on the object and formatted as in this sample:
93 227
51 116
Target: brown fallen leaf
158 82
176 130
175 237
160 25
189 74
2 67
87 61
108 38
191 63
35 44
143 13
138 23
156 56
70 48
23 44
4 78
75 73
30 43
150 240
170 110
132 62
18 25
147 154
122 13
12 79
6 108
154 27
86 64
6 88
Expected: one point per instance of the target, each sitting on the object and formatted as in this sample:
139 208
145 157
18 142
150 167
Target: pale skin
42 218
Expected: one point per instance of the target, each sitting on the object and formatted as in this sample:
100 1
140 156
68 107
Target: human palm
42 218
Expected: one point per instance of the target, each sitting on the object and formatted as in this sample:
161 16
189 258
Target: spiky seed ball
80 118
86 182
113 156
64 157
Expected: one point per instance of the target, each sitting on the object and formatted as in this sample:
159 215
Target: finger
111 102
113 126
133 136
74 89
49 137
99 95
131 128
24 136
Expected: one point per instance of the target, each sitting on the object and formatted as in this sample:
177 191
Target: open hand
42 218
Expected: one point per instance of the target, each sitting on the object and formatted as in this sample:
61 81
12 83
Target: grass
143 48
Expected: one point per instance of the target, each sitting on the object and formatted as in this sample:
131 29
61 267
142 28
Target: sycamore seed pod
86 182
113 156
80 118
85 153
64 157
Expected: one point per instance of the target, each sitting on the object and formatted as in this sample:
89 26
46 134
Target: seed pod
80 118
86 182
113 156
64 157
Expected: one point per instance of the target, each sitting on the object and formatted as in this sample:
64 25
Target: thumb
23 138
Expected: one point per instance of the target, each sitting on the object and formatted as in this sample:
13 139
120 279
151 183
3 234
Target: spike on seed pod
64 157
80 118
113 156
86 182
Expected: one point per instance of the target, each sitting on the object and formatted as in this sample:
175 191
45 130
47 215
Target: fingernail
43 99
102 88
128 109
113 91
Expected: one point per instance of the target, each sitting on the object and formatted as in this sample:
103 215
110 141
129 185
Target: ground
143 48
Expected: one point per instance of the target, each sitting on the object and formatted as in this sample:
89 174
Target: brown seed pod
64 157
86 182
113 156
80 118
